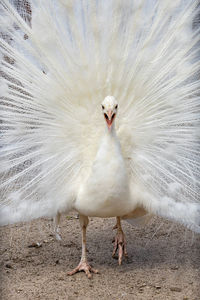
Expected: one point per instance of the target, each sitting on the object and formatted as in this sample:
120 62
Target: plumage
105 192
59 148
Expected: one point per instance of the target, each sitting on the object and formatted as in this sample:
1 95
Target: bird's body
66 145
105 193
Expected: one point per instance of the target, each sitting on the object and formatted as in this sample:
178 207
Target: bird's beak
110 118
110 114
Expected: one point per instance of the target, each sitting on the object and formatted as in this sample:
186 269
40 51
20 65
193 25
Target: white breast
105 193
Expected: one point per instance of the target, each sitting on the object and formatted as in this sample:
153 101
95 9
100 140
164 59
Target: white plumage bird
60 147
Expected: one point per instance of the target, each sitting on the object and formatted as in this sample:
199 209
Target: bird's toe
85 267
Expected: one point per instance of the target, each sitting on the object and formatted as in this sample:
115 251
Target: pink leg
84 265
120 242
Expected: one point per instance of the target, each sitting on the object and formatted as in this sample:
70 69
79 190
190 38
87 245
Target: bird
100 113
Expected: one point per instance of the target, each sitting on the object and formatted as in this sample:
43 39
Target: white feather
55 73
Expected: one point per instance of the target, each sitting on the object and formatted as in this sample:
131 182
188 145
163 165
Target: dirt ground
163 263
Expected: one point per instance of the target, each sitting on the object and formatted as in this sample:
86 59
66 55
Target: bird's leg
120 242
84 265
57 227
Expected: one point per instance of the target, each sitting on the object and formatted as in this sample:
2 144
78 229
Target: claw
84 266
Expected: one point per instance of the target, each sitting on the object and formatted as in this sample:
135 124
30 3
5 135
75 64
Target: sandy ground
161 265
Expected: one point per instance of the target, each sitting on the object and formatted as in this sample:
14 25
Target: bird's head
109 109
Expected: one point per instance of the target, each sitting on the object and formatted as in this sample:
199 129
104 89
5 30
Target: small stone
35 245
9 266
143 285
185 298
57 261
175 289
158 287
174 268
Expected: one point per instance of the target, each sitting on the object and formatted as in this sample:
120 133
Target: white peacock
59 62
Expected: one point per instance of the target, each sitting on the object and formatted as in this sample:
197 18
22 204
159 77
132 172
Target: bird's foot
84 266
57 233
120 245
56 221
58 236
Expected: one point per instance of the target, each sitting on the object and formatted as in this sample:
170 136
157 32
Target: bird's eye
103 107
116 106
